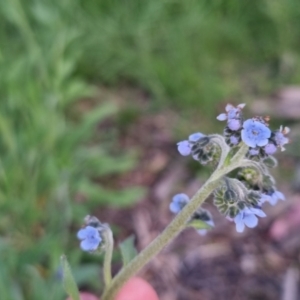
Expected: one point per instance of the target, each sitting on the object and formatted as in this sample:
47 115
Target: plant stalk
174 228
161 241
109 246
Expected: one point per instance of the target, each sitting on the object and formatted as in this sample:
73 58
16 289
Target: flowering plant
246 147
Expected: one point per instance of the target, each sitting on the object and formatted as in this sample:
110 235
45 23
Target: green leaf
128 250
68 280
198 224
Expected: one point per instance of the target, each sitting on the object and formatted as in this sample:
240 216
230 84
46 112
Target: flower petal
180 198
195 136
250 220
279 195
262 142
88 245
222 117
240 226
175 208
228 107
82 234
242 105
239 222
258 212
248 141
184 148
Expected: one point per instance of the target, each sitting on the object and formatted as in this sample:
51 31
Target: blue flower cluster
201 148
255 132
185 147
241 198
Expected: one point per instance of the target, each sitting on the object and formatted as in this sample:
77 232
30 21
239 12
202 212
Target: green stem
236 159
109 246
162 240
175 227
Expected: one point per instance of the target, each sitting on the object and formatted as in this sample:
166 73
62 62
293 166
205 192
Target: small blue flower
280 138
178 202
90 238
255 133
272 198
270 149
248 217
184 147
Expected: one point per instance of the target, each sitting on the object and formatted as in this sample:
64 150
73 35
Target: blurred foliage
185 53
48 155
193 53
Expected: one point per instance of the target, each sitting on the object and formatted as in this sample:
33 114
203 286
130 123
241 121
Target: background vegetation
55 147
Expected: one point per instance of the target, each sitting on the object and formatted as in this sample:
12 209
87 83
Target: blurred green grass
193 53
188 55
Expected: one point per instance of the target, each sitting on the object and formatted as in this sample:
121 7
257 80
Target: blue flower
248 217
255 133
90 238
178 202
184 147
272 197
280 138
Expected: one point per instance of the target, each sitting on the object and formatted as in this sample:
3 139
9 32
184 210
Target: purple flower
248 217
184 147
178 202
231 112
272 198
90 238
255 133
280 138
234 124
270 149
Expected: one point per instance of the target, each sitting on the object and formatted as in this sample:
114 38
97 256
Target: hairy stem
175 227
109 245
162 240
